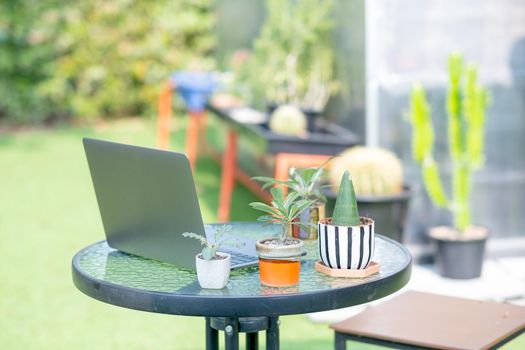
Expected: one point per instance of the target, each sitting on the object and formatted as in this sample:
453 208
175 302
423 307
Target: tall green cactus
345 211
466 104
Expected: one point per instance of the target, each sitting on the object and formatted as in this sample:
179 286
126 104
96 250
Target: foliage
90 324
96 58
115 54
467 101
375 171
292 60
345 210
28 30
304 182
283 210
210 248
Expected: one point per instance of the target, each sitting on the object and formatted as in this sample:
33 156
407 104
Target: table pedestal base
232 326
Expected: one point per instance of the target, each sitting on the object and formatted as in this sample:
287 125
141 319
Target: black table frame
341 339
239 311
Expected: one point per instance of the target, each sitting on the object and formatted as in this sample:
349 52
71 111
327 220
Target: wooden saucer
372 268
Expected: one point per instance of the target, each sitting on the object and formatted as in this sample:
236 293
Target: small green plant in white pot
213 267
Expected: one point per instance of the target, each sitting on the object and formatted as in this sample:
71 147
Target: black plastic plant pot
311 117
459 259
389 211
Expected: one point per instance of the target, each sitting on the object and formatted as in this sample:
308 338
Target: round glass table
244 305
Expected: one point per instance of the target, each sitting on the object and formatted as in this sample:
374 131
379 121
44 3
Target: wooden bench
416 320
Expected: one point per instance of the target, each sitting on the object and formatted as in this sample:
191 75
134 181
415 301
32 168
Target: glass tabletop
99 264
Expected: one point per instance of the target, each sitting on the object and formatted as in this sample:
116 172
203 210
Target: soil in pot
459 255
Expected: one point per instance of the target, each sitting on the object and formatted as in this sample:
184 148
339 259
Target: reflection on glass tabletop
102 263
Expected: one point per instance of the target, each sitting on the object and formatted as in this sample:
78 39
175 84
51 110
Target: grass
48 212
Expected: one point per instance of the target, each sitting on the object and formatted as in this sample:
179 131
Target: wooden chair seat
416 320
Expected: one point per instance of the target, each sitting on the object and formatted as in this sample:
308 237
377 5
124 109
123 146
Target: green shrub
115 54
96 58
292 60
27 35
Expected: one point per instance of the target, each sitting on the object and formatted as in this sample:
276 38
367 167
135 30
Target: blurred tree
114 54
27 33
96 58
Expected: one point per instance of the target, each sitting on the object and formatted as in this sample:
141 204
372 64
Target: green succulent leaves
283 209
422 133
345 211
304 182
467 101
211 247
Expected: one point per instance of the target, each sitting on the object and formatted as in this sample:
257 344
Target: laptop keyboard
240 259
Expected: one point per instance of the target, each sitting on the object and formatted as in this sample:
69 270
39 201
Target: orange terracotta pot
279 273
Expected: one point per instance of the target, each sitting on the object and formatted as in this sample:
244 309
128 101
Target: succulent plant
305 182
283 210
288 119
375 171
467 101
210 249
345 211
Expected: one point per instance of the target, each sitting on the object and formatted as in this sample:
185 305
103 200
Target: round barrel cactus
288 119
375 171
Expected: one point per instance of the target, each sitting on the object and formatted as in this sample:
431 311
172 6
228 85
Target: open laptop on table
147 199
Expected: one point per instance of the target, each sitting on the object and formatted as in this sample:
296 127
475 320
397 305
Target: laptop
147 199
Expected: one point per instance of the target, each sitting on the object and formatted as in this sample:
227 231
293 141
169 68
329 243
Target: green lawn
48 211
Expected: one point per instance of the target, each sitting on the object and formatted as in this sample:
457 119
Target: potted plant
460 249
346 240
292 61
279 257
377 176
213 267
304 182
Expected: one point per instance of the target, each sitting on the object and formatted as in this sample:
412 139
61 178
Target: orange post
195 124
229 160
164 116
203 120
284 161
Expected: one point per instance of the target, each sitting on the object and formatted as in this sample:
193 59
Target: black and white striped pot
346 247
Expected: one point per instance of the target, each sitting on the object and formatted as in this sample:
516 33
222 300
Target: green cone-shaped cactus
345 211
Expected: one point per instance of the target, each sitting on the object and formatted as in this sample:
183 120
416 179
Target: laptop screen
147 199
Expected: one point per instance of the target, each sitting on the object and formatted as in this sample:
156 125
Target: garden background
70 69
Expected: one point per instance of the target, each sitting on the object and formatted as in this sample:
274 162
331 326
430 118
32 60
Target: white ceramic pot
346 247
213 274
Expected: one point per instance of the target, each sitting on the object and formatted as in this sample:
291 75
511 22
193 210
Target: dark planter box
389 212
257 145
328 138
